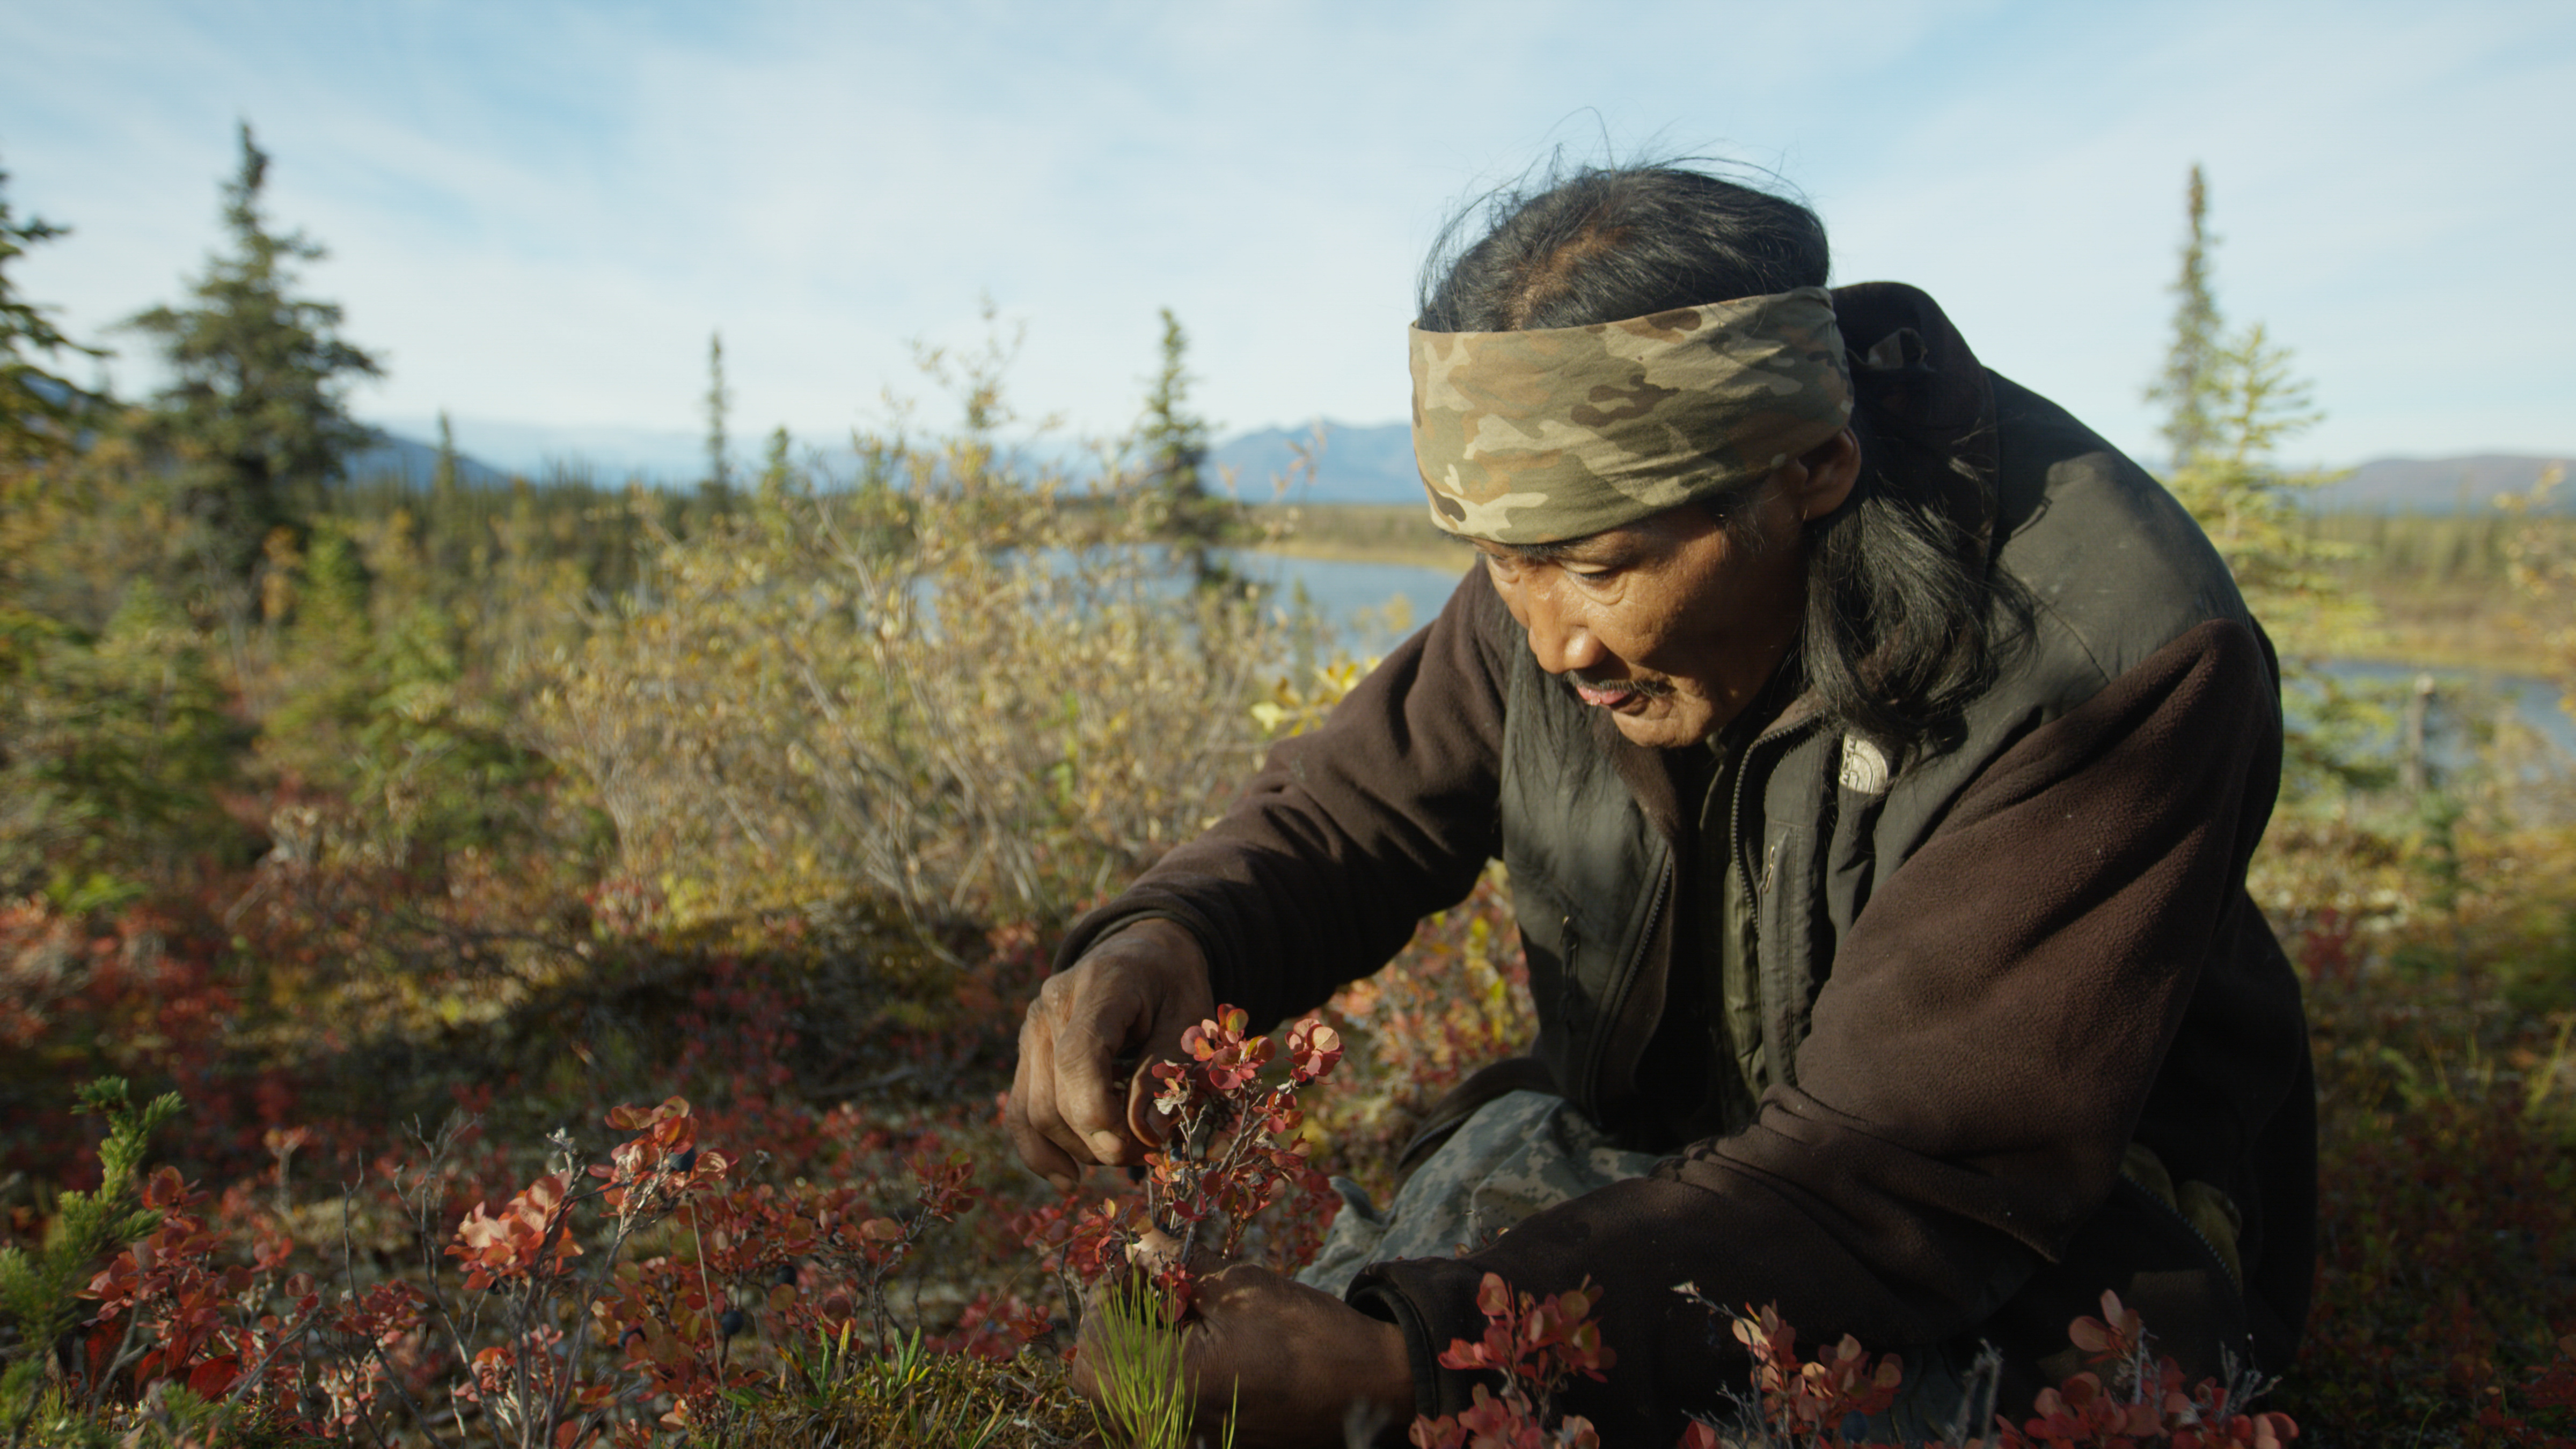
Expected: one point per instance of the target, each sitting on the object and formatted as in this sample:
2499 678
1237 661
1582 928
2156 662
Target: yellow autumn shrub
961 683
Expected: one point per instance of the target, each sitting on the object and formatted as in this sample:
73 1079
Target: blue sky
538 211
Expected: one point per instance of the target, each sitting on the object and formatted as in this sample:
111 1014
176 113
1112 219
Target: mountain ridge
1374 464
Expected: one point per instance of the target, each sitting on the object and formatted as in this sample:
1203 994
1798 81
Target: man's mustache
1652 688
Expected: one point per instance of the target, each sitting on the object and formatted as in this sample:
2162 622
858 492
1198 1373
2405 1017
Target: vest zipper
1615 1000
1569 984
1744 772
1777 1054
2216 1258
1588 1081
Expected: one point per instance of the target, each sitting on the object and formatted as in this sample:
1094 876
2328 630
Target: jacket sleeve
1978 1060
1350 834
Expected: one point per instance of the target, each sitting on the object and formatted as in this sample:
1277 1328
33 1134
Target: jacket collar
1924 392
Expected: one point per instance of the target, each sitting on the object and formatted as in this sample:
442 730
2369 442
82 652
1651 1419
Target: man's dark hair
1899 635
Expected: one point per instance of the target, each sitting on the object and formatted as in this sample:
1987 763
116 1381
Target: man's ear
1823 475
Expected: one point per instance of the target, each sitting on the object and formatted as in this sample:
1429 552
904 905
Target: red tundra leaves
1813 1397
1537 1344
1228 1060
526 1236
2083 1412
1544 1340
1313 1049
1231 1154
203 1323
2114 1336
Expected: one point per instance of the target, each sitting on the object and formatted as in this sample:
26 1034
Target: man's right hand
1129 997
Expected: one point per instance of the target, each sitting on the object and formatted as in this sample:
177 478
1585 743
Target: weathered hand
1132 994
1291 1363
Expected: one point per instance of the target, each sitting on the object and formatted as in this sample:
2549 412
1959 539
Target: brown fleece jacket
1976 1064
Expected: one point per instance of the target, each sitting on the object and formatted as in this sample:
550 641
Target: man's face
1673 623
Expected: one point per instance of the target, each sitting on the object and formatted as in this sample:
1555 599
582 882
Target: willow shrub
2540 559
962 684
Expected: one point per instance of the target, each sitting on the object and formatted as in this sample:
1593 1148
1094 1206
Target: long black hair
1901 627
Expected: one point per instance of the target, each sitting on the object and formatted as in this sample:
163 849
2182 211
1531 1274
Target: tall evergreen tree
1175 439
2231 400
1175 443
446 534
718 486
255 420
39 410
2192 357
442 476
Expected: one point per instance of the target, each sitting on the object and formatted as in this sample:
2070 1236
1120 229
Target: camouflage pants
1527 1151
1520 1153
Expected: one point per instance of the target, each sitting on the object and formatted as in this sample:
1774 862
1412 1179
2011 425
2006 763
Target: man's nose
1560 630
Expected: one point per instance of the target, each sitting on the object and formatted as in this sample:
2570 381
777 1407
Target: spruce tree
778 467
39 410
718 486
446 533
2231 400
255 422
41 1284
2191 358
1176 440
442 475
1175 444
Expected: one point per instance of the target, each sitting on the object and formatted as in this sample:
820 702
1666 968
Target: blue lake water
1354 597
2466 709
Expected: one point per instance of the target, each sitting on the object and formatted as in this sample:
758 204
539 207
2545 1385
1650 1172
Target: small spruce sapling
41 1290
1140 1391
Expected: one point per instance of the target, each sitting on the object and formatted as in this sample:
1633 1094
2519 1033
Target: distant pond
2465 710
1354 597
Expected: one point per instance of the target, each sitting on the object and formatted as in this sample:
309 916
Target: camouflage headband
1540 436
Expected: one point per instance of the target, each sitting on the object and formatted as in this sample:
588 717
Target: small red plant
2143 1402
1813 1399
168 1312
2137 1402
1538 1345
1233 1152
